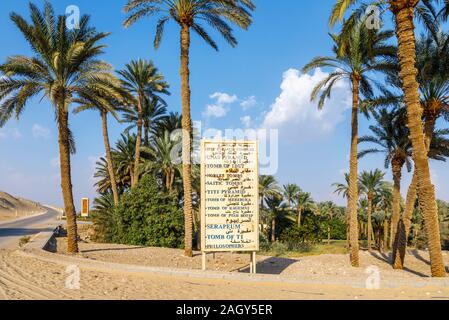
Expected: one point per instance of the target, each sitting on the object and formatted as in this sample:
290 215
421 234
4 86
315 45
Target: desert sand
27 278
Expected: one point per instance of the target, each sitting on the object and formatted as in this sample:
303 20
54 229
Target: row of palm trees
291 202
66 69
420 82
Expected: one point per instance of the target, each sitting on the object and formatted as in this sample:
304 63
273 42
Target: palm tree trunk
403 235
273 229
66 179
299 217
396 222
146 129
136 172
186 143
385 244
353 176
107 146
404 14
370 213
328 235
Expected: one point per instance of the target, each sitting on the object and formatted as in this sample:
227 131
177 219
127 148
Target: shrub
279 248
146 216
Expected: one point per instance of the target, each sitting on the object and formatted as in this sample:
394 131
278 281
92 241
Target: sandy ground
324 268
313 277
28 278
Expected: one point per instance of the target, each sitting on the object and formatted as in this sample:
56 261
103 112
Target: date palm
161 147
327 210
63 62
153 112
170 123
390 135
384 200
433 77
371 183
106 97
303 201
276 209
404 12
188 15
289 191
124 155
142 79
268 187
358 55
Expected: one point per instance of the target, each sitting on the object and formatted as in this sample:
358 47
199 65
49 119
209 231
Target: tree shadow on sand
272 265
387 258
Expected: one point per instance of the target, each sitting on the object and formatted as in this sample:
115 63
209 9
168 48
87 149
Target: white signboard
229 196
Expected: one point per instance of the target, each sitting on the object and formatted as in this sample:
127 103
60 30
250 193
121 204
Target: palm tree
432 63
384 200
276 209
188 14
106 97
357 55
290 190
328 210
303 201
170 123
103 183
143 80
63 61
404 12
161 148
391 135
268 187
371 183
124 156
153 112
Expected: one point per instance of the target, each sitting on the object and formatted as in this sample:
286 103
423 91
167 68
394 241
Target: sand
313 277
28 278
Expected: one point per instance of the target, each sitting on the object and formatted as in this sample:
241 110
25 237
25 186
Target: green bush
279 248
148 217
310 232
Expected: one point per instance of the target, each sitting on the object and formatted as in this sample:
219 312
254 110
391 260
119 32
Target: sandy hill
10 204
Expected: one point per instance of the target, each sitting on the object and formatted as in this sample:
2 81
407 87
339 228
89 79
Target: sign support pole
203 260
254 262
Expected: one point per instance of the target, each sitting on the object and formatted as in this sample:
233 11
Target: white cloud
246 121
295 115
223 98
214 110
220 108
40 131
248 103
14 133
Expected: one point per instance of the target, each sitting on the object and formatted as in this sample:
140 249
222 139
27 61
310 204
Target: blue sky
257 84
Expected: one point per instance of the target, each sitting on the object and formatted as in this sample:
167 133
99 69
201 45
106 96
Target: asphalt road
12 231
